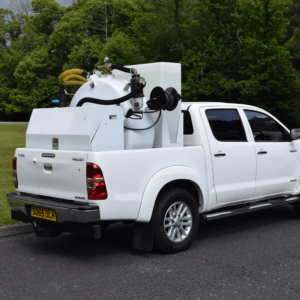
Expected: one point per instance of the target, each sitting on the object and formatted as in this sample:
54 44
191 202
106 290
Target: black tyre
175 221
297 210
104 225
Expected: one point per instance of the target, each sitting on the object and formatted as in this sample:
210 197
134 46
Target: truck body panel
127 174
55 173
167 176
74 128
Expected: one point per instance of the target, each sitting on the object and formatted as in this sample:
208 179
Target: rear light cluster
95 183
15 177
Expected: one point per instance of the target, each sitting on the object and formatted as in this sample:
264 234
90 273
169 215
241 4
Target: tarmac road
253 256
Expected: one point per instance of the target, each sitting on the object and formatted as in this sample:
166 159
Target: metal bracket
68 93
126 87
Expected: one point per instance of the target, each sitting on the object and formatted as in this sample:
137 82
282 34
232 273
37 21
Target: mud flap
143 236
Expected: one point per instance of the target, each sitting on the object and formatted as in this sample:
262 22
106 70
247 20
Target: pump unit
110 113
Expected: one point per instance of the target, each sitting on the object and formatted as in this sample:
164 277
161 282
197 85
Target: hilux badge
50 155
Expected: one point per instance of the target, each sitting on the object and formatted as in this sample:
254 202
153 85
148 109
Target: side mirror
295 134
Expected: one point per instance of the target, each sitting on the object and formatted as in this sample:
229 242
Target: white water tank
107 87
164 75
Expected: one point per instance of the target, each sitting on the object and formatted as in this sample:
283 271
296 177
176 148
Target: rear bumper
66 211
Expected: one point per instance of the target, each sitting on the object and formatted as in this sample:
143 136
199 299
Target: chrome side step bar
248 208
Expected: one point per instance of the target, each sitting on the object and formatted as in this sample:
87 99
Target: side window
187 123
226 125
264 128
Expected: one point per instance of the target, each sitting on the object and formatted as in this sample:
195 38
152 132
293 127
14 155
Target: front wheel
175 220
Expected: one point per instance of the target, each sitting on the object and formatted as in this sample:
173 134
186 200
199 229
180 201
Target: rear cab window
187 123
226 125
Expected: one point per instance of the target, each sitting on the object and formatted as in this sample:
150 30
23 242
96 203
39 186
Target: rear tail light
95 183
15 177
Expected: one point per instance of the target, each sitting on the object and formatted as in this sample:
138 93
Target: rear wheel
175 220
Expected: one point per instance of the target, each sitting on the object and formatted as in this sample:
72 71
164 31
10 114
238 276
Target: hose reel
166 100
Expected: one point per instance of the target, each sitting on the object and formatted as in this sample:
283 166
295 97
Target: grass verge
11 137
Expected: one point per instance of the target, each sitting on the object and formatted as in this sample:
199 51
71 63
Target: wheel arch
188 185
178 176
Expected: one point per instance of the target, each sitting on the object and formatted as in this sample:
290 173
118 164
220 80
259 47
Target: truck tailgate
59 174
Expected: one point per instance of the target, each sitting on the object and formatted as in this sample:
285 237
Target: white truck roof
185 105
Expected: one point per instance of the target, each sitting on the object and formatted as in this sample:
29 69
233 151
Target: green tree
26 64
293 45
231 50
243 59
293 33
164 29
11 26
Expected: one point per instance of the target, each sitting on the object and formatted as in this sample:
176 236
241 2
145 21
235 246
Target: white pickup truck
235 159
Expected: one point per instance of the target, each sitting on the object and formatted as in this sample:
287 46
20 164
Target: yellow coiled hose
65 77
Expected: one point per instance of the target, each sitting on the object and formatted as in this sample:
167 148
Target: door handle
220 154
48 167
262 152
293 150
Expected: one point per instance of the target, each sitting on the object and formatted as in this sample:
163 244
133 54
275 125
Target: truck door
233 155
277 157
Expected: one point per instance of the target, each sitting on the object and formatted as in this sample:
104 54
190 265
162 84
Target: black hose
113 101
121 68
131 128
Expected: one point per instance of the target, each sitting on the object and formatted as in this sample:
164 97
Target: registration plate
43 213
